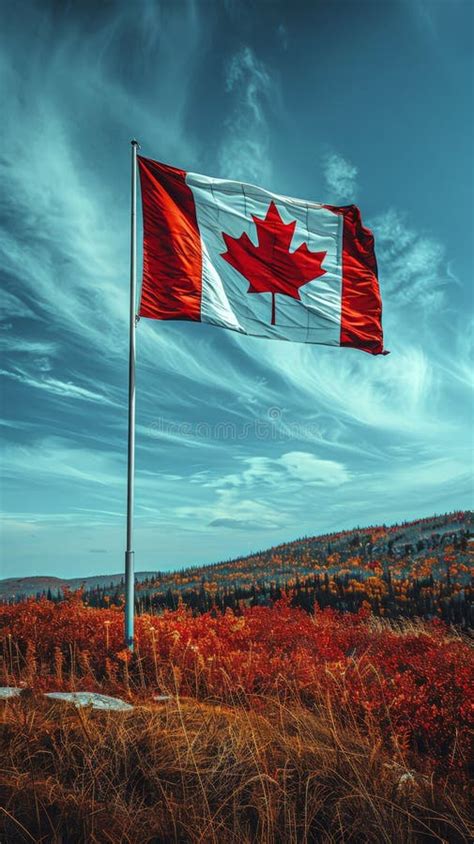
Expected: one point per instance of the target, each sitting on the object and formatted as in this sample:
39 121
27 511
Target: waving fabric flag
236 256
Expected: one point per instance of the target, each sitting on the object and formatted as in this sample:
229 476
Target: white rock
93 699
9 691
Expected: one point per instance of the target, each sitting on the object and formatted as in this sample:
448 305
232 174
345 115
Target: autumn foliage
412 685
274 719
420 569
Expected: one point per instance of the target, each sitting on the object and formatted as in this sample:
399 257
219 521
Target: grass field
280 726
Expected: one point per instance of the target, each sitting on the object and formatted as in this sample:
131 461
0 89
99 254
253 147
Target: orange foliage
414 683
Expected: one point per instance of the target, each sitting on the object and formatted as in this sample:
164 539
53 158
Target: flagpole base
129 598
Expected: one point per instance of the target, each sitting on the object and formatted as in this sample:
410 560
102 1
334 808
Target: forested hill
419 568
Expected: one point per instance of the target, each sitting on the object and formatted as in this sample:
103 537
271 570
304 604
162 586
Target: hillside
419 568
326 727
278 714
409 543
23 587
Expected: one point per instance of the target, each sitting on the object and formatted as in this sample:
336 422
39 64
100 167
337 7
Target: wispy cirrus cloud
64 206
12 306
56 458
56 387
23 346
413 264
341 178
244 152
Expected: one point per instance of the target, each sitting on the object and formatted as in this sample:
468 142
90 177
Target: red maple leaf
270 267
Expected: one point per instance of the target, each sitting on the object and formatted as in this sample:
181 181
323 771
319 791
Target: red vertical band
361 306
172 259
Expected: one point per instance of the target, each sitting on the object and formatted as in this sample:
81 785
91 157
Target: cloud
64 202
341 178
233 512
282 473
13 306
436 472
17 424
309 469
457 361
244 152
267 493
27 347
56 387
53 457
235 524
394 393
412 265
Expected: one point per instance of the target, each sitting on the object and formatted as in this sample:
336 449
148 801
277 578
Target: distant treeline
418 569
423 598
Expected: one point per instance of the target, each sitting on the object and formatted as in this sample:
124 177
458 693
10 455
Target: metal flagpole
129 553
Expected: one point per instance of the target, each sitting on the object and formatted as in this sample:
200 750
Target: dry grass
189 771
281 728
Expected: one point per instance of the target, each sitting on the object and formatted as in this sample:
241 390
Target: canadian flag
237 256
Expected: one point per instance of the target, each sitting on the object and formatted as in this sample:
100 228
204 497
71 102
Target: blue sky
241 442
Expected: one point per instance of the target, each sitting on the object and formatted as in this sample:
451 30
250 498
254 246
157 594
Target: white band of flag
239 257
